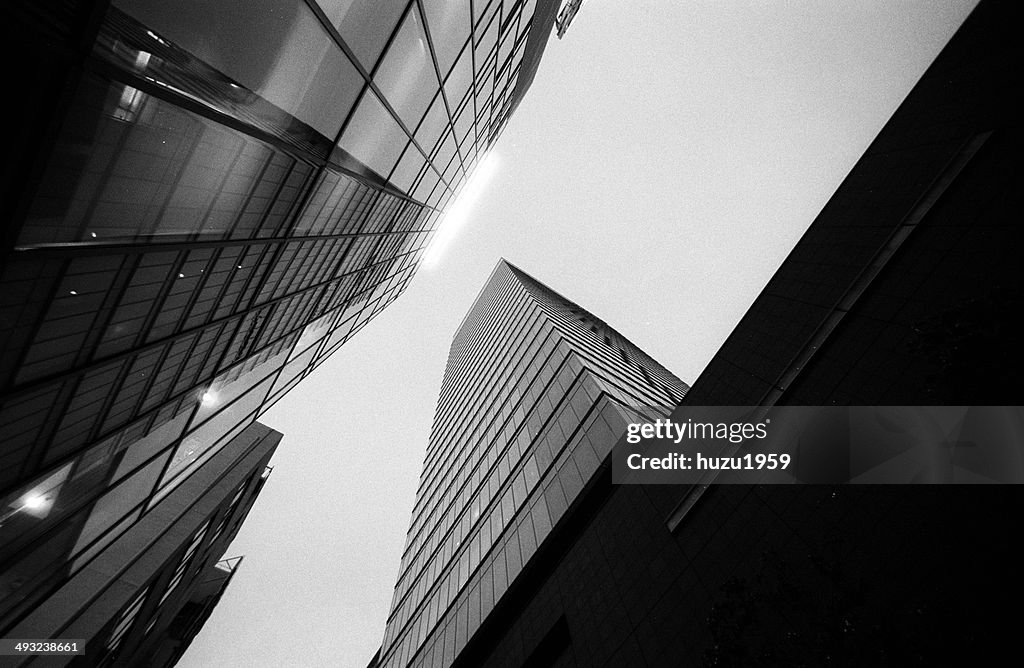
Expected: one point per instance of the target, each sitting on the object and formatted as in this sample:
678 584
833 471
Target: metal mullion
220 191
291 216
185 432
195 332
221 356
387 49
234 306
122 375
97 430
41 382
323 303
437 66
307 265
459 151
258 315
160 92
40 319
336 37
113 298
207 356
322 261
298 269
273 278
219 298
157 302
324 264
506 20
273 383
366 74
252 191
419 177
75 250
369 212
275 313
188 356
104 406
35 459
325 213
462 417
260 282
197 290
153 89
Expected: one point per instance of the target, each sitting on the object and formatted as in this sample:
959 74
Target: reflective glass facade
141 600
536 392
206 201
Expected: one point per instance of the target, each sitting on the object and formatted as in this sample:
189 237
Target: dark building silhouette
535 394
183 627
137 598
203 201
902 291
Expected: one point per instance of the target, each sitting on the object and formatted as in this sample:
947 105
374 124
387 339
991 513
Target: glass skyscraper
536 392
137 597
204 200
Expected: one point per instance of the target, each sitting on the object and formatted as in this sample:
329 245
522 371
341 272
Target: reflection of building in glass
536 392
137 598
204 201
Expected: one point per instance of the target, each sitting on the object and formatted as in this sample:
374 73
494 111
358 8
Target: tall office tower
138 597
202 201
535 393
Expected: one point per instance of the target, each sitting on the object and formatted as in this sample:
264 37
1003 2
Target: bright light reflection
209 398
34 501
457 214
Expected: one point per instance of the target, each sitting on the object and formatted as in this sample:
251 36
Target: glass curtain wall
536 392
233 190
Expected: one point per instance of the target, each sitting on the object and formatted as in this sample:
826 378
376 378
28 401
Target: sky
667 158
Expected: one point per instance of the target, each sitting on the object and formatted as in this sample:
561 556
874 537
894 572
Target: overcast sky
665 161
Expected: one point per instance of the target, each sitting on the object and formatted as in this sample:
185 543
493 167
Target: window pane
406 76
365 25
202 443
485 84
232 384
292 370
464 123
113 505
426 185
408 169
460 78
453 173
508 39
449 23
434 123
485 43
444 153
275 48
478 10
373 136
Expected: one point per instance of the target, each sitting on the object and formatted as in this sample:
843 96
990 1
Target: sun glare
457 214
